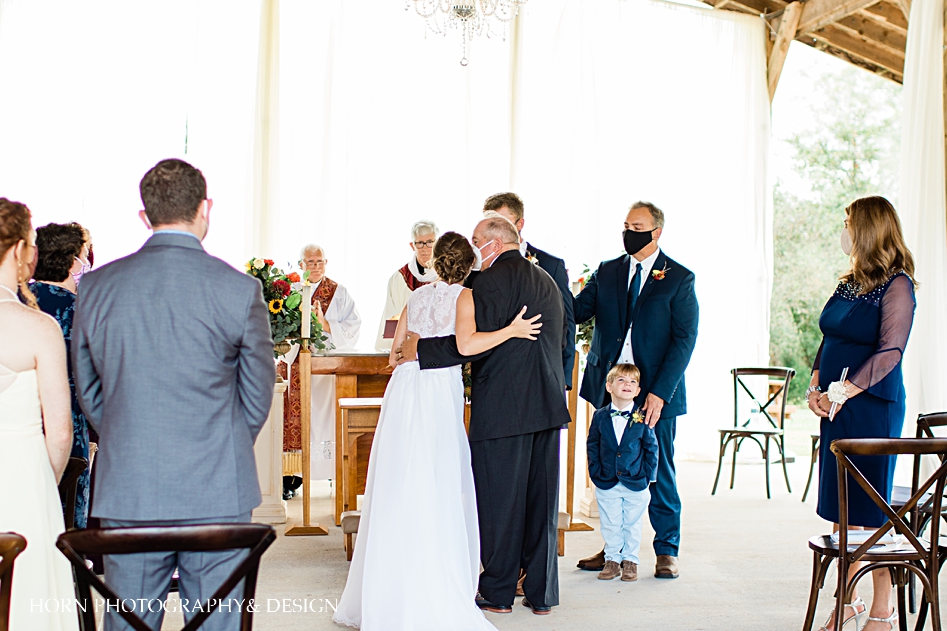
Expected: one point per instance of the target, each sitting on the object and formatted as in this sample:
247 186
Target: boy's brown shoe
610 571
629 571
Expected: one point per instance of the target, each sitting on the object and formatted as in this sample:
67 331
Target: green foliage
852 151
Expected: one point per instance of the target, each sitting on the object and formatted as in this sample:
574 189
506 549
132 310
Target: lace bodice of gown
432 309
20 411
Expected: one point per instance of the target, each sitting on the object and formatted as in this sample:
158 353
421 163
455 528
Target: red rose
282 287
293 278
268 261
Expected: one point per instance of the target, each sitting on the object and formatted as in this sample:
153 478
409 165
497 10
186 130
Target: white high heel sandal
857 617
890 619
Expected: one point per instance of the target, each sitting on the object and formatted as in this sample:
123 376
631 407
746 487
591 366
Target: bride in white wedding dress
35 437
417 553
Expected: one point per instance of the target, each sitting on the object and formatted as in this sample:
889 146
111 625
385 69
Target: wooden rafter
890 13
861 47
784 36
819 13
894 39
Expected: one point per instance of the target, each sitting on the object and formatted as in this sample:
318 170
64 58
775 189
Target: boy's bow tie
623 413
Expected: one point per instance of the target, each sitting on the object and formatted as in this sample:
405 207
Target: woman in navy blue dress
865 327
63 253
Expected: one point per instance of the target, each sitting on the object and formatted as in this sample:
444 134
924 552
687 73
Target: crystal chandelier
470 17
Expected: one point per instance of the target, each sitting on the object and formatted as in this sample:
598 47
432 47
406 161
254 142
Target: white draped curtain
924 208
342 123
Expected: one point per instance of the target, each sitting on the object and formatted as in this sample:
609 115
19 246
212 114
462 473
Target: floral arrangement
637 417
283 295
583 334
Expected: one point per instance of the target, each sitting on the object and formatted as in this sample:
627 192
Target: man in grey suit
173 363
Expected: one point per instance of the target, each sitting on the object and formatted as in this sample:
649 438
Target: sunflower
276 305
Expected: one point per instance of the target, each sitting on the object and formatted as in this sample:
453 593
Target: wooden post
305 416
575 524
788 26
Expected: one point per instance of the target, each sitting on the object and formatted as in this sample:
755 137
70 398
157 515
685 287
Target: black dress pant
517 483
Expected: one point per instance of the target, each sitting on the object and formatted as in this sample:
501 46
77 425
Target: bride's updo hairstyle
15 226
453 257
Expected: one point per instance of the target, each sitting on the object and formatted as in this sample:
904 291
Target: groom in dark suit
645 311
517 409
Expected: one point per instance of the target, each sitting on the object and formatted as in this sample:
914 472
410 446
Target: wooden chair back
68 489
932 487
11 545
204 538
772 372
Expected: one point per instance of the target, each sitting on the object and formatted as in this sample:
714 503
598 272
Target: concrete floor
744 565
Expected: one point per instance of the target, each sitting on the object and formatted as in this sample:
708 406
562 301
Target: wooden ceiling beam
819 13
890 13
897 77
861 47
905 6
788 25
893 39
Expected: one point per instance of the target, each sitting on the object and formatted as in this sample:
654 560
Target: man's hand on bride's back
408 351
526 328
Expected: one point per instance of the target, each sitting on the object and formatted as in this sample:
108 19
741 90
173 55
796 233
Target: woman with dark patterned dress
865 327
63 258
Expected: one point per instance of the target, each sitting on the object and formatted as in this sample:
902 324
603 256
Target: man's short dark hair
172 191
510 200
59 245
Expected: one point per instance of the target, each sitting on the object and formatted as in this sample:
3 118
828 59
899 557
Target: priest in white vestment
334 307
417 272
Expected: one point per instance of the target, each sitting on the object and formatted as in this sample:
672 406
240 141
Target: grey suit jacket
173 364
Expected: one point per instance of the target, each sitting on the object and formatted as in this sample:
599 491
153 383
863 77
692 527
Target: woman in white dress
35 436
417 553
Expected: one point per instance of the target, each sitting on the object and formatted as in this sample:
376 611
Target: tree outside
850 150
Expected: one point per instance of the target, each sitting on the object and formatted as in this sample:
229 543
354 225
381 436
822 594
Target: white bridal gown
29 506
417 552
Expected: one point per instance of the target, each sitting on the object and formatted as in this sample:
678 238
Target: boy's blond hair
623 370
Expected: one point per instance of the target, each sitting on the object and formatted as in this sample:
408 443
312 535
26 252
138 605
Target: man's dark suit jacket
518 386
556 267
663 336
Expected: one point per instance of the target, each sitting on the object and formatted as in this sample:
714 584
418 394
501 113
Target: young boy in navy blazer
623 462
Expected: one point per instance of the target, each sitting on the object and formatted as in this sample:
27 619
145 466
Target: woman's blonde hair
878 248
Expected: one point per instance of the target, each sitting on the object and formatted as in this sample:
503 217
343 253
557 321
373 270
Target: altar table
357 375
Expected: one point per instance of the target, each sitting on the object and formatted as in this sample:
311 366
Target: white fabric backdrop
924 208
371 124
620 101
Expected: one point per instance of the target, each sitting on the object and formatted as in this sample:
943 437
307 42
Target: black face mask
636 241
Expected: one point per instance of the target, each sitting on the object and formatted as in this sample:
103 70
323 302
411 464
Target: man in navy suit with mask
645 311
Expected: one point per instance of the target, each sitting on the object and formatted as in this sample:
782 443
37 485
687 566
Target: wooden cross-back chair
11 545
920 518
762 436
915 556
207 538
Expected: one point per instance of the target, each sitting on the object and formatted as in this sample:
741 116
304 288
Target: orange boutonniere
637 417
659 274
532 258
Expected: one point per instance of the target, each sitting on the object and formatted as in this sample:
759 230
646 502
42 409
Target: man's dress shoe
594 563
665 566
538 610
486 605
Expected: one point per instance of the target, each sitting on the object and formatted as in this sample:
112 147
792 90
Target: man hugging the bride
435 498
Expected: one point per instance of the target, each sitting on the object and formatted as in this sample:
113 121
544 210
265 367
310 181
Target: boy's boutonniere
637 417
659 274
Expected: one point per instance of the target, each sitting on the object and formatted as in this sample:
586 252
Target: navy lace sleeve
818 357
897 316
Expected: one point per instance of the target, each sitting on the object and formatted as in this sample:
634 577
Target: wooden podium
357 375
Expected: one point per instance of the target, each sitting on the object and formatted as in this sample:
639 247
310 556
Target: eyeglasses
424 244
316 262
